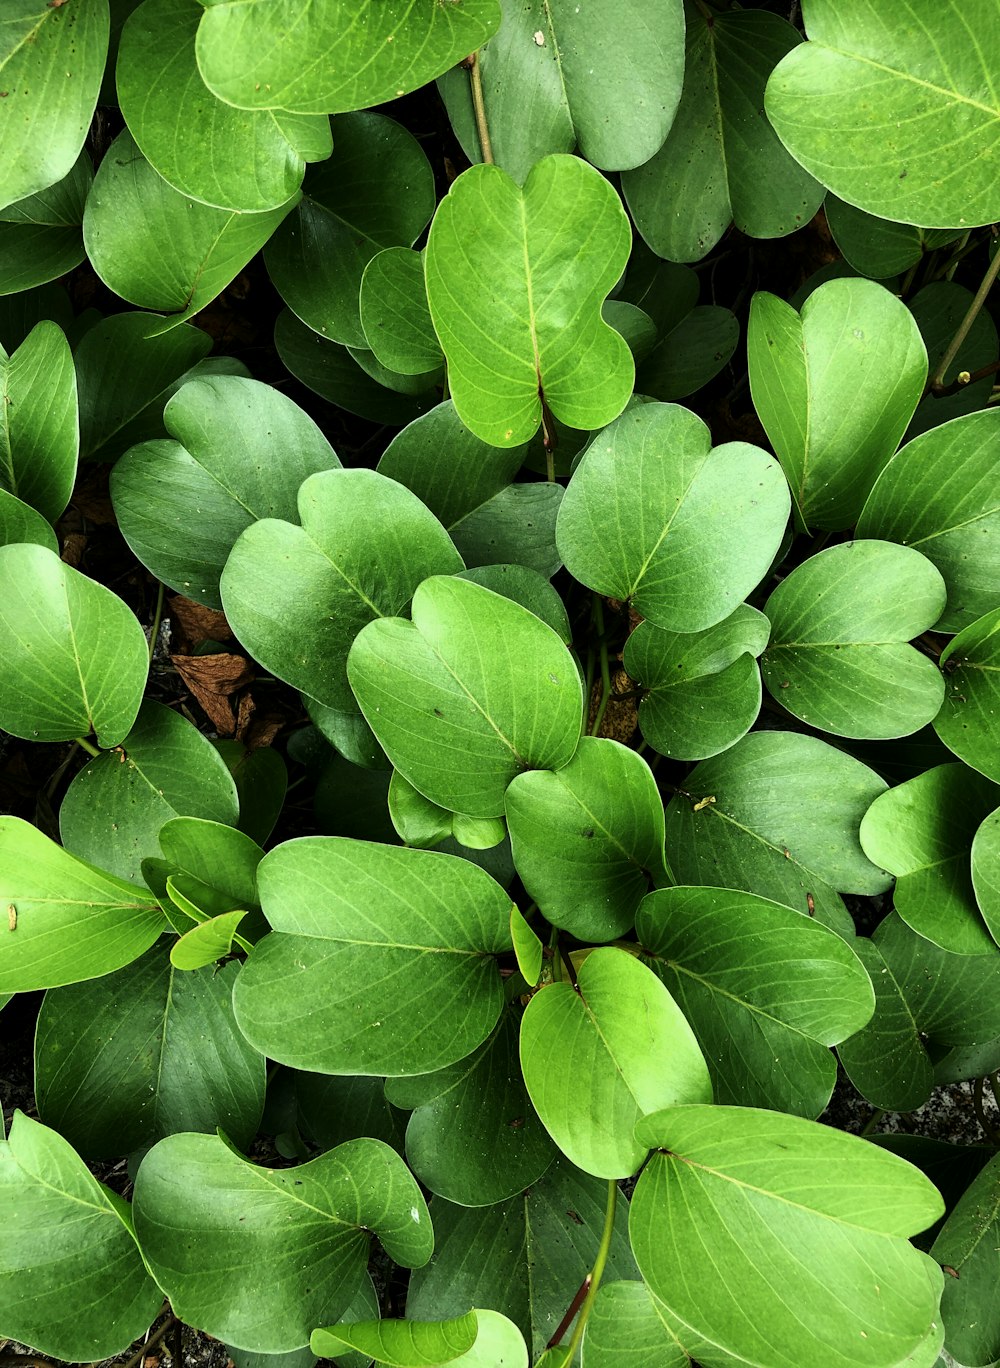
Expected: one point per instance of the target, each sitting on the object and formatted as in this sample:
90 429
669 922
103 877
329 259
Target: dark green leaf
39 439
40 237
21 523
394 313
940 308
969 1248
969 720
877 247
690 355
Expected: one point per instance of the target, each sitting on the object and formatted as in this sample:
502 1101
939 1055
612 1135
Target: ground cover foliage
607 550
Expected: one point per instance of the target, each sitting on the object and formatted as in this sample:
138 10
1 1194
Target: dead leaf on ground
196 622
212 679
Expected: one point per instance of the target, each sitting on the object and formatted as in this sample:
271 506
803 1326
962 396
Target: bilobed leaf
40 237
65 920
884 109
766 991
922 832
62 628
401 1343
986 872
539 261
203 1215
721 162
969 720
19 522
468 694
394 313
113 1081
969 1244
587 839
258 56
386 937
838 657
877 247
653 514
39 439
206 149
835 388
72 1281
625 1330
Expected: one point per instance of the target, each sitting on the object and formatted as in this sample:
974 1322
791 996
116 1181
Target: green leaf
599 1057
527 947
969 1248
922 832
114 1081
203 1215
261 782
777 815
626 1330
157 248
21 523
653 514
114 808
877 247
525 1258
240 452
332 1110
351 208
418 821
986 871
39 441
469 694
588 839
387 937
51 63
552 79
40 237
425 383
474 1137
204 944
72 1282
73 659
939 309
690 355
528 588
721 161
882 110
298 596
260 56
394 313
219 857
835 388
766 991
539 263
516 525
838 656
941 496
209 151
701 690
401 1343
969 720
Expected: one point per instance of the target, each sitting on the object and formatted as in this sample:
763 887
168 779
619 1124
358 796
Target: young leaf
394 313
874 108
835 388
969 1247
401 1343
969 720
207 942
469 694
387 937
418 821
535 339
72 1282
39 439
527 947
112 1082
653 514
40 237
203 1215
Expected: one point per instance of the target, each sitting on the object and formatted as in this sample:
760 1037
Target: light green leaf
537 336
625 1330
73 659
588 839
768 1213
230 158
468 694
922 832
386 937
394 313
157 248
240 452
19 522
72 1282
401 1343
835 388
939 309
721 161
653 514
114 808
39 439
877 247
203 1215
113 1081
599 1057
941 495
528 588
840 623
969 1246
51 63
40 236
351 208
262 57
527 947
986 871
298 596
884 109
419 822
766 991
701 690
969 720
204 944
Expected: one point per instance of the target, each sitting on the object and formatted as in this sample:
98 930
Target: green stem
479 107
157 615
605 670
85 745
979 299
873 1121
598 1271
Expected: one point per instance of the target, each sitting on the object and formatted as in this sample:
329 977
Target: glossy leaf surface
39 438
625 1327
40 236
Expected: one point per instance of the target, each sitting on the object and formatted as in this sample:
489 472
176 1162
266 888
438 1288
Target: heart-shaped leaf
969 720
875 109
968 1246
835 388
536 341
653 514
72 1282
39 438
721 161
588 839
387 936
40 237
840 623
203 1215
471 692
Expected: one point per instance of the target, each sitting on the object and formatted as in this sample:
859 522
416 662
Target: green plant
534 958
